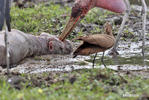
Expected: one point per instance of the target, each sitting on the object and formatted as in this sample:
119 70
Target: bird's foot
113 52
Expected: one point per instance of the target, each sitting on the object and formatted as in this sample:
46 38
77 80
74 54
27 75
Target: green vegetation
86 84
39 19
51 19
83 84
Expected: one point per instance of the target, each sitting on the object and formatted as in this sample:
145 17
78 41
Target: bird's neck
111 33
108 30
117 6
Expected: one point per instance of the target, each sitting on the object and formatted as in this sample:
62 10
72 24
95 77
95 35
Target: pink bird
81 8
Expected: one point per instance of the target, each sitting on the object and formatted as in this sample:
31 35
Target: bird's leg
7 49
94 60
125 17
103 61
144 12
6 41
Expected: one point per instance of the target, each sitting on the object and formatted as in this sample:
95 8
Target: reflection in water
119 63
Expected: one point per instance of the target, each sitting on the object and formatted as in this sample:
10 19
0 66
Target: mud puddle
130 59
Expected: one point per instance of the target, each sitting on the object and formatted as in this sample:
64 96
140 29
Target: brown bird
96 43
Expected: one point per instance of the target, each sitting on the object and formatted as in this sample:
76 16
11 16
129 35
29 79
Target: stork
81 8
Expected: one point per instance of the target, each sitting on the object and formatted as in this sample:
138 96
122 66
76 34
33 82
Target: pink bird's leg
6 43
125 17
7 49
144 12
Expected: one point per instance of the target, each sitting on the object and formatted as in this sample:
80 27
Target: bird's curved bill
69 27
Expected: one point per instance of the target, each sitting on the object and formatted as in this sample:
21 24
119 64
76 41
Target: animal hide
22 45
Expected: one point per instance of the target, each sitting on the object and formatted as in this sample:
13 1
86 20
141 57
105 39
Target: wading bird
96 43
81 8
5 21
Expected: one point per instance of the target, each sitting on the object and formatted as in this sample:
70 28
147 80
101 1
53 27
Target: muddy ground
128 60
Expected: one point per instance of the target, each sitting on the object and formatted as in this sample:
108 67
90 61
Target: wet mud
129 58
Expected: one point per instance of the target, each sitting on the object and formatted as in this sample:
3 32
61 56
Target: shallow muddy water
129 59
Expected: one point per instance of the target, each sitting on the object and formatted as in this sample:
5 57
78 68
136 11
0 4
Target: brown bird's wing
94 43
101 40
86 49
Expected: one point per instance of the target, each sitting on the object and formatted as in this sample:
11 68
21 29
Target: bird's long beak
69 27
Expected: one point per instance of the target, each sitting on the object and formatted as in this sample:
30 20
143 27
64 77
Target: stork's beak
69 27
